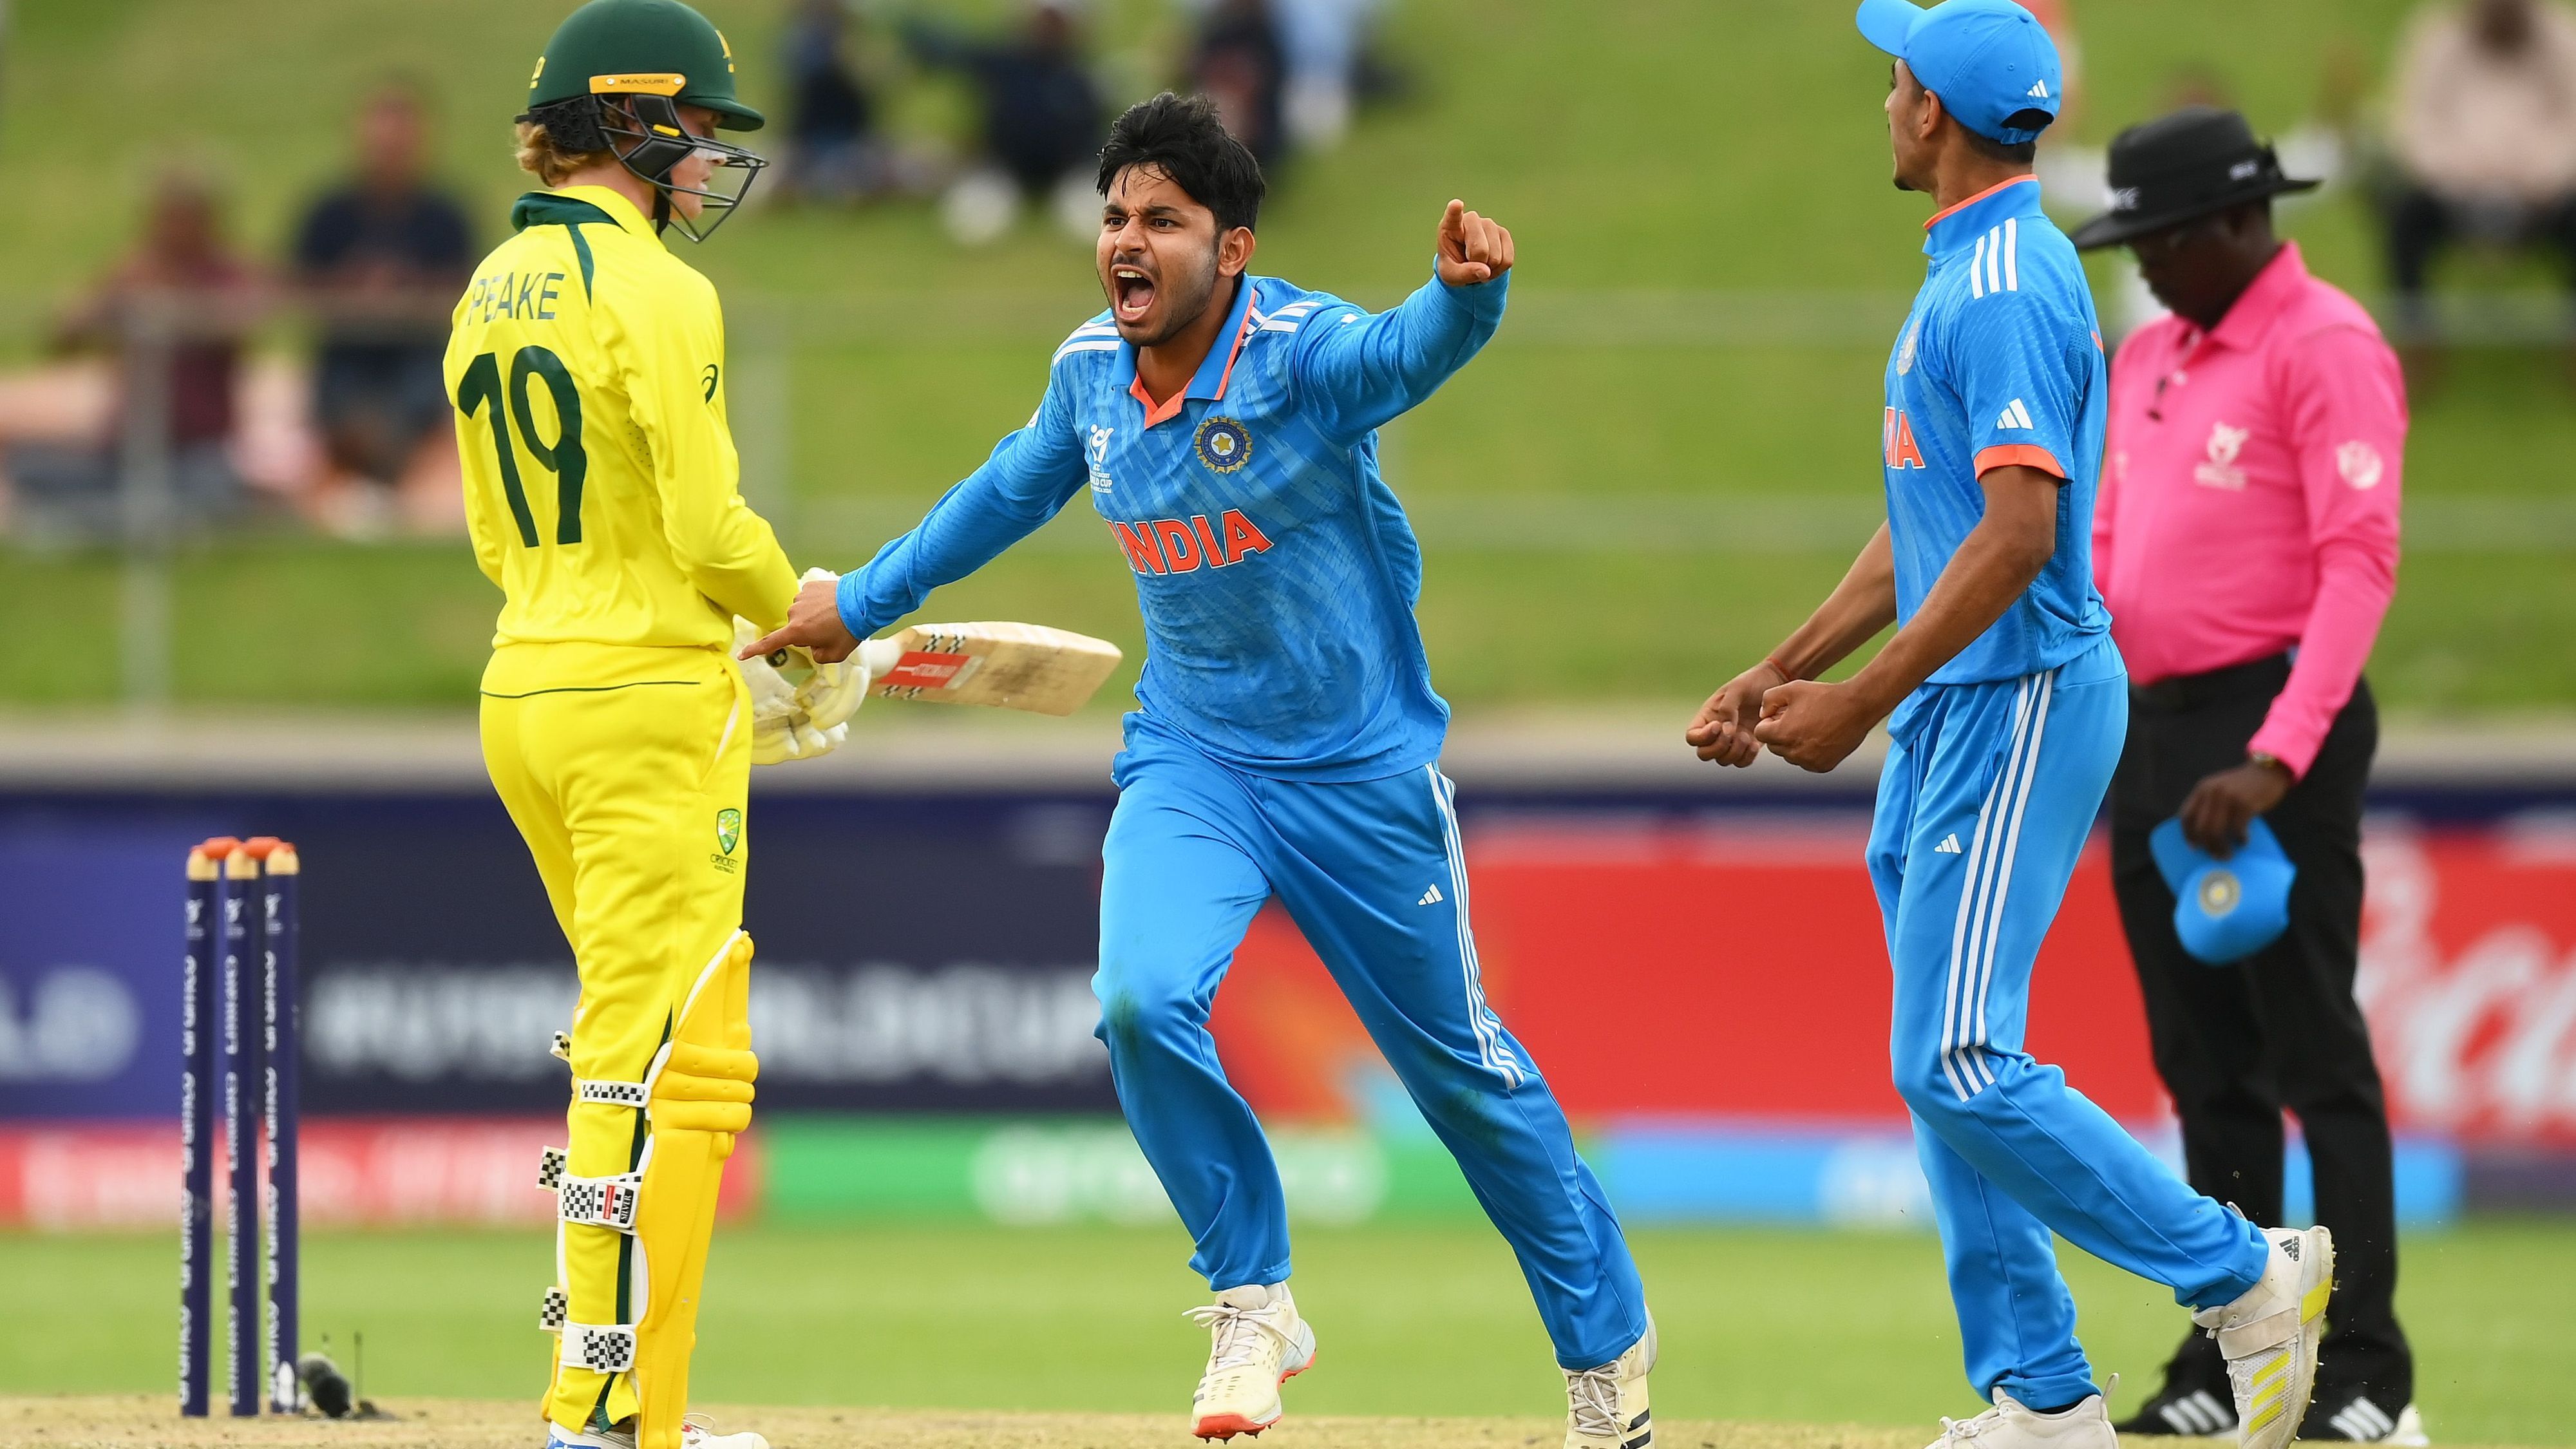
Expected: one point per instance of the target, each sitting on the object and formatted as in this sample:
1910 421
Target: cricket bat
1006 666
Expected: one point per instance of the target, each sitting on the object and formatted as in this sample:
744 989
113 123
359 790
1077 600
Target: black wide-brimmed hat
2180 167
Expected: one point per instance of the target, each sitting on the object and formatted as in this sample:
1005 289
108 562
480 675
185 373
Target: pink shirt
2249 496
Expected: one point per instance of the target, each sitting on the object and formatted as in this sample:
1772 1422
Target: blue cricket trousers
1983 806
1373 875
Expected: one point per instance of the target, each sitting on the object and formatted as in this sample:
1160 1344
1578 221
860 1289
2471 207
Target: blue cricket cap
2225 910
1988 60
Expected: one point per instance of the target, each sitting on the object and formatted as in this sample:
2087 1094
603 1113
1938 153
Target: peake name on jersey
1999 363
1275 570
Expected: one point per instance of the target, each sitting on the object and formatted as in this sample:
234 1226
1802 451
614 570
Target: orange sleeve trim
2018 455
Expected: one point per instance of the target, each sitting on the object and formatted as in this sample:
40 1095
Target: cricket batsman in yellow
587 369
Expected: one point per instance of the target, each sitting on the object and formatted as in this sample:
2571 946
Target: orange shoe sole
1226 1426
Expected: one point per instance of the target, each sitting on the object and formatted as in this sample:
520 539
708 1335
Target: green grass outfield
1649 156
1833 1327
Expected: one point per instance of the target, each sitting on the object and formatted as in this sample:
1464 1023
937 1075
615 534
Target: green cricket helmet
613 79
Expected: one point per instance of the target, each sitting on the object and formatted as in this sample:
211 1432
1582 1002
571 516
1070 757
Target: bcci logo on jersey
1223 445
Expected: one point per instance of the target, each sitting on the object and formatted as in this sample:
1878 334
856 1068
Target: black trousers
2236 1045
2420 224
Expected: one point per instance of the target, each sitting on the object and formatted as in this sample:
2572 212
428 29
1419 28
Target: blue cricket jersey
1275 570
2000 363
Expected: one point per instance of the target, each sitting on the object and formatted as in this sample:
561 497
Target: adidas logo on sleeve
2014 416
1949 845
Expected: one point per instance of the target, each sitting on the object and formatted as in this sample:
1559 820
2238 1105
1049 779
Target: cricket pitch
132 1421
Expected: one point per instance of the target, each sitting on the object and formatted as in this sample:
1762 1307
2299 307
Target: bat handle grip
879 656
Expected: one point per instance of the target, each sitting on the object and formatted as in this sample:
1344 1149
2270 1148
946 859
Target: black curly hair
1183 138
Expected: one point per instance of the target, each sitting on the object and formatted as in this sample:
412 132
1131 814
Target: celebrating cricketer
1287 740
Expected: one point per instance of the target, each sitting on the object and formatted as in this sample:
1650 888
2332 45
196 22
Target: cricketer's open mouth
1131 293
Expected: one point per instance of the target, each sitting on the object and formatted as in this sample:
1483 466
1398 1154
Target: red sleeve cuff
2019 455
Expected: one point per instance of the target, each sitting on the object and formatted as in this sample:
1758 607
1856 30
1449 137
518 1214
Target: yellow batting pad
701 1098
704 1089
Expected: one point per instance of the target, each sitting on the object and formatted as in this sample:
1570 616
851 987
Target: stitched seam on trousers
741 694
1565 1181
2090 1170
2012 1299
596 688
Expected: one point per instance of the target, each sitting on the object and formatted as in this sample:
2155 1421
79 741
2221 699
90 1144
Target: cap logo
2219 893
539 73
2243 169
2124 198
2038 90
638 83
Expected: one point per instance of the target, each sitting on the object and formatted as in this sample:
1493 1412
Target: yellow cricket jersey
601 485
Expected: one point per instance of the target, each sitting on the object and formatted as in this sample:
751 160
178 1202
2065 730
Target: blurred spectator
171 316
2484 134
833 150
1237 62
1328 66
1319 52
1042 122
382 257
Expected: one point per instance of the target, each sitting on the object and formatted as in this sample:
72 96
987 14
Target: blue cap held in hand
1989 61
2226 910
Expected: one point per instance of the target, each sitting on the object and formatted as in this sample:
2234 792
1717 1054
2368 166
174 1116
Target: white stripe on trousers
1488 1028
1969 888
2012 847
1979 927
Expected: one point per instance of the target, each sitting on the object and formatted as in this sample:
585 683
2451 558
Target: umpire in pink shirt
2246 542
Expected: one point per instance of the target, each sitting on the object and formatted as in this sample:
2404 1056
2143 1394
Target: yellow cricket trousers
626 770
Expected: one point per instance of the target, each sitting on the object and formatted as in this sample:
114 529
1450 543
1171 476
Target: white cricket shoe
1605 1407
1257 1342
2269 1336
694 1434
2012 1425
